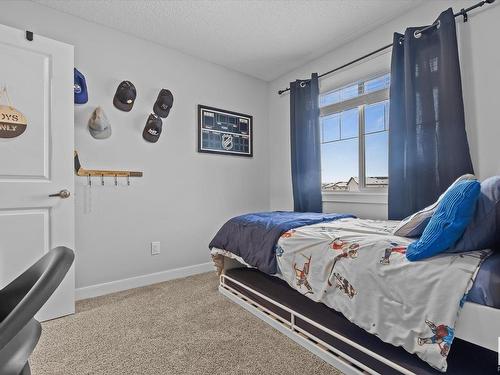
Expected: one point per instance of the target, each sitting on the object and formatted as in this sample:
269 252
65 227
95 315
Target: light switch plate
155 248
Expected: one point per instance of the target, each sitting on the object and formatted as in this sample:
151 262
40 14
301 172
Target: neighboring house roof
352 179
353 182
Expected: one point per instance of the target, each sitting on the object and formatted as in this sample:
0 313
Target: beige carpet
178 327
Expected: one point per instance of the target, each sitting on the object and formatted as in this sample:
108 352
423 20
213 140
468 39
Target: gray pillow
483 232
414 225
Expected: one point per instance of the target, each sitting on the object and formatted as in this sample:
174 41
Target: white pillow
414 225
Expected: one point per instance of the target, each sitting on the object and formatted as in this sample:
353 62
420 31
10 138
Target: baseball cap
99 126
163 103
152 130
125 96
80 87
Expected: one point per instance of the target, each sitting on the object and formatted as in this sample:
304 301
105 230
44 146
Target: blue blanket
253 237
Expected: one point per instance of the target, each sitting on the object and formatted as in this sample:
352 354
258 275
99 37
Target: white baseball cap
99 126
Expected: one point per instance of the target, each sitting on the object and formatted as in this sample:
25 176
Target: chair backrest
23 297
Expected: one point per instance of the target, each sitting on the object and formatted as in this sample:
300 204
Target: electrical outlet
155 248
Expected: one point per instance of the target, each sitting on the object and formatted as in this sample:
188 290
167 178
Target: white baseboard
144 280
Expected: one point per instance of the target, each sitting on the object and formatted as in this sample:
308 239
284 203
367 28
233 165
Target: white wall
480 59
184 196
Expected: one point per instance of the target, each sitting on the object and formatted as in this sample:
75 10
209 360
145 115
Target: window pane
329 98
349 123
349 92
341 143
378 83
376 159
339 162
330 128
375 117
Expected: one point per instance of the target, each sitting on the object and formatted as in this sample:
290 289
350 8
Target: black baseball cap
163 103
125 96
152 130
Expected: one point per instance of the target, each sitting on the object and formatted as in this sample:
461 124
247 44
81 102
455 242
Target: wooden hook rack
101 173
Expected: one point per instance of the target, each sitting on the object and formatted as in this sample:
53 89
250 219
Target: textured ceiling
264 39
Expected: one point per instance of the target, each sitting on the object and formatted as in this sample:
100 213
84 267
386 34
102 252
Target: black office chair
20 301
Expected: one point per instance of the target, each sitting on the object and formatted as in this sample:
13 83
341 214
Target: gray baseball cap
99 126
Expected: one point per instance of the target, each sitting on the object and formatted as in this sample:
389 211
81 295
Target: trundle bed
336 339
329 335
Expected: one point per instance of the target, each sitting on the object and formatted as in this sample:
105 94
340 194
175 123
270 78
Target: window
354 136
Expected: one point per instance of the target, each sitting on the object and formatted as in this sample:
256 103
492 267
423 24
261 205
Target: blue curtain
305 145
428 146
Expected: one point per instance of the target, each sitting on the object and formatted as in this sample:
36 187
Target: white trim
143 280
356 102
355 197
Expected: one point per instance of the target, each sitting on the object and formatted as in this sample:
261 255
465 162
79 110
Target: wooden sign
12 122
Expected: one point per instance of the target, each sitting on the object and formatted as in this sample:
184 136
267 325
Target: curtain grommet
302 84
464 14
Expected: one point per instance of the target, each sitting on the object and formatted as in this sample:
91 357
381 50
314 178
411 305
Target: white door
38 76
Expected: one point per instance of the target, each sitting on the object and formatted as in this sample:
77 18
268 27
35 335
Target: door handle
63 194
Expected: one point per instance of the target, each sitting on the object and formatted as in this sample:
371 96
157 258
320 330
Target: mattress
485 290
464 358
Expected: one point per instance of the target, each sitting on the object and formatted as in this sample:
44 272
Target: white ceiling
264 39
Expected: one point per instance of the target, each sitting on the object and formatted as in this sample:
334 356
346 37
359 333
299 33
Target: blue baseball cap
80 87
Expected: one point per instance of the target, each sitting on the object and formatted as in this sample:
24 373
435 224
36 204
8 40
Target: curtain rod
463 12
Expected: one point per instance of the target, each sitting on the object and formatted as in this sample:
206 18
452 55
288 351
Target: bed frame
477 325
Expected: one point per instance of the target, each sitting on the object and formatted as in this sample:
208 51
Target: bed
321 286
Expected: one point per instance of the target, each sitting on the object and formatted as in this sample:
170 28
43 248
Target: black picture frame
236 128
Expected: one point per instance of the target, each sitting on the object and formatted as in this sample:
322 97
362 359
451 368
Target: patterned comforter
253 237
359 268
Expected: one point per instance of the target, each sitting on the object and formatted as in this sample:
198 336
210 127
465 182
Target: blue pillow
483 231
414 225
448 222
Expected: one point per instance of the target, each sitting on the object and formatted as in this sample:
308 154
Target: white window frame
365 194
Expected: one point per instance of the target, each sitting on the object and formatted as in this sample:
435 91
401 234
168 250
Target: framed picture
224 132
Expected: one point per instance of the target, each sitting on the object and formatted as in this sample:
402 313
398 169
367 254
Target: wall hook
80 171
